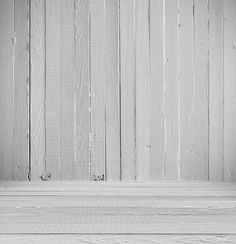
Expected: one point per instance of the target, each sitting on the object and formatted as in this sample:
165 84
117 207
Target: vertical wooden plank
186 89
112 94
37 89
127 88
67 90
216 91
229 90
97 9
53 88
171 90
21 90
201 89
156 89
82 89
142 90
7 89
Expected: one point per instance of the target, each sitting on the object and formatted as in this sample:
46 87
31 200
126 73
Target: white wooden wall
118 90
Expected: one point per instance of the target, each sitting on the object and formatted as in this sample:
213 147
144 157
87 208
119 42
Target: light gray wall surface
118 90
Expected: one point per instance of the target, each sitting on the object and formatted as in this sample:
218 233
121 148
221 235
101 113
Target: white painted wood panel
82 89
142 90
171 91
21 90
229 90
200 90
186 95
37 89
156 90
53 91
7 88
112 90
127 89
216 91
98 152
67 102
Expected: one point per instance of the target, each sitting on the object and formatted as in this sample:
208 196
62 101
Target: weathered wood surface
115 239
186 79
110 90
216 90
82 84
21 90
112 208
200 90
53 89
37 89
67 103
142 90
156 90
171 91
127 88
7 89
229 91
97 47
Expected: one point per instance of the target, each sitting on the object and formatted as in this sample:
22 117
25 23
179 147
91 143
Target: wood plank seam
29 99
179 138
164 89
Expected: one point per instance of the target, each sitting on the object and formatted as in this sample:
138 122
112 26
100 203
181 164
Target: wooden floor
115 213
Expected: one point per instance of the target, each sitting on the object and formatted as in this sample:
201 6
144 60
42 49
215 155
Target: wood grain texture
127 88
186 79
171 109
132 193
117 90
109 228
21 90
37 89
142 91
159 205
216 91
201 80
67 90
118 239
82 86
118 208
53 89
7 87
156 90
200 185
97 11
229 91
112 90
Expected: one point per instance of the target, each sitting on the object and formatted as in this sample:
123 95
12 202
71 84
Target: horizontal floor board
104 228
119 216
118 239
136 184
144 193
117 201
111 210
79 208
